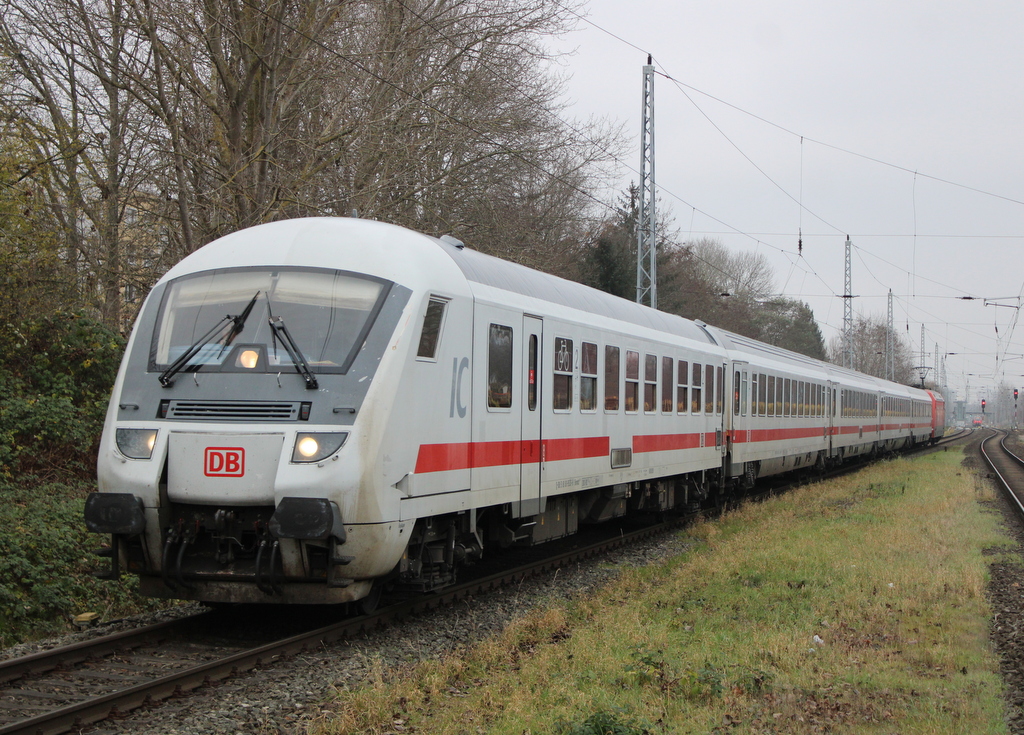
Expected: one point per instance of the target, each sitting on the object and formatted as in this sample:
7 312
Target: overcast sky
933 88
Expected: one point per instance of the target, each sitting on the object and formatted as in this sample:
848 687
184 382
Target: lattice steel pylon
848 309
646 242
890 345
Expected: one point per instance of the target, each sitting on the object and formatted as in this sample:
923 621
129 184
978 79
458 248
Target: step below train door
531 451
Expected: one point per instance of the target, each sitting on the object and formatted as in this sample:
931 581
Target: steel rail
1007 488
99 708
38 663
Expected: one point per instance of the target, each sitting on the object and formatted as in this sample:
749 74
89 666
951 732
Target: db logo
224 462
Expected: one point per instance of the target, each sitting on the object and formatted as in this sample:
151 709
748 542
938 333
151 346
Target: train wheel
368 604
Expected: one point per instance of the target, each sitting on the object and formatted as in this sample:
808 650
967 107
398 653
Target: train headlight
317 446
248 359
136 443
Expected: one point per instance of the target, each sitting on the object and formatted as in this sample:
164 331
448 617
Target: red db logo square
224 462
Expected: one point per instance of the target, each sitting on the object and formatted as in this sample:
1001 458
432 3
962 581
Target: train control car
312 409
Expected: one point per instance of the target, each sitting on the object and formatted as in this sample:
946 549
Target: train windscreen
327 314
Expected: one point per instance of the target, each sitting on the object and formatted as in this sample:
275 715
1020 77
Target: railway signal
983 405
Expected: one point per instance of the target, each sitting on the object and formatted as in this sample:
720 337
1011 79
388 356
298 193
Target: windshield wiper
301 367
167 377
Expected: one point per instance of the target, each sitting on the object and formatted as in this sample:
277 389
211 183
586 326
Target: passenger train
309 410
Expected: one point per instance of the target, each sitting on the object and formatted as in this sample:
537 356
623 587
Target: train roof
417 261
516 278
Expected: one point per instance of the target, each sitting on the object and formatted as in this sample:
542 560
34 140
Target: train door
830 415
531 446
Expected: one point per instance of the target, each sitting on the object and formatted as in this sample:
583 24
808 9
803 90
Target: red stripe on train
469 455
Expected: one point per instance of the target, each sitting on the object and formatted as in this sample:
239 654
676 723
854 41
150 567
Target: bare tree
73 59
869 340
167 123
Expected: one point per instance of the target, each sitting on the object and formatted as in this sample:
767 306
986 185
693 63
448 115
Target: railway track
68 688
1008 469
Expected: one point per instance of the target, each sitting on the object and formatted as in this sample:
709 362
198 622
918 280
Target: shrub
56 373
46 564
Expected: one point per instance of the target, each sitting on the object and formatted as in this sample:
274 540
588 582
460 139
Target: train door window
719 390
650 383
787 402
531 396
762 395
736 393
611 378
431 332
743 394
709 389
682 388
561 383
588 376
499 367
695 403
667 384
771 395
632 381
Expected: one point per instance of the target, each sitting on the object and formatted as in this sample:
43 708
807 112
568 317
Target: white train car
309 409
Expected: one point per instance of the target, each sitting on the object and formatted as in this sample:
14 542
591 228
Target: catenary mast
646 244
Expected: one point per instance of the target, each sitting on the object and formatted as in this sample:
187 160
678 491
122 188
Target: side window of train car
667 384
787 403
682 387
709 389
632 381
431 333
696 376
561 384
650 383
611 378
771 395
719 390
588 376
499 367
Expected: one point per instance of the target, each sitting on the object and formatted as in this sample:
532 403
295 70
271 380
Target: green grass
887 568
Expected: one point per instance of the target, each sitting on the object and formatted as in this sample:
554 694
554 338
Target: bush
56 374
46 562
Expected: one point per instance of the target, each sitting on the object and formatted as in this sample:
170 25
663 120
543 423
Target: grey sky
931 87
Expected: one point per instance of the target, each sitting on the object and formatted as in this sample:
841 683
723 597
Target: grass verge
853 605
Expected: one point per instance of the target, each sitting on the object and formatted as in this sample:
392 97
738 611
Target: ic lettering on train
224 462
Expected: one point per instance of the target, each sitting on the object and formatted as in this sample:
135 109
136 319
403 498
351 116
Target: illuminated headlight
136 443
314 447
247 359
